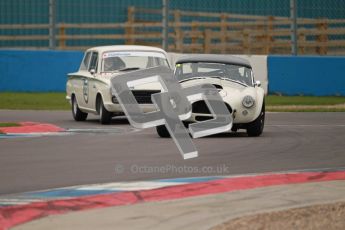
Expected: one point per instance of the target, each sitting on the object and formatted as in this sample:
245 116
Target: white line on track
130 186
311 125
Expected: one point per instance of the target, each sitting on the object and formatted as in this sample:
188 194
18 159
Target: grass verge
57 101
273 100
8 124
34 101
301 109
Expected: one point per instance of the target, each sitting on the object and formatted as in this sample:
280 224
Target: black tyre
104 115
78 115
256 127
162 131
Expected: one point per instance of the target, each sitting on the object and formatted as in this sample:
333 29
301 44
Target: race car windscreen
235 73
121 61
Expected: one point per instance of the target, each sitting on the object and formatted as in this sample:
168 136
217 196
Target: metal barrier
43 71
316 76
37 71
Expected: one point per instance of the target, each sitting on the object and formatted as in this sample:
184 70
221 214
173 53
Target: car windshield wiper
122 70
238 82
228 79
128 69
192 78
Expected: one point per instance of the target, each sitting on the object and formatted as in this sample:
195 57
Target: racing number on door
86 90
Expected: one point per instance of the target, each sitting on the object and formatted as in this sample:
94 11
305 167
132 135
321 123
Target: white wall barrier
259 64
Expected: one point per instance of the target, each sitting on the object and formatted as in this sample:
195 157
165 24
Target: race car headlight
114 100
248 101
113 96
112 91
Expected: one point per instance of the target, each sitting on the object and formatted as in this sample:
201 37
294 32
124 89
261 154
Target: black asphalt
290 141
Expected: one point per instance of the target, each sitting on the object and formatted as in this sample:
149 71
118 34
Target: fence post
178 31
293 17
52 24
261 38
165 25
207 41
245 43
269 38
223 30
129 28
62 33
194 36
322 38
301 40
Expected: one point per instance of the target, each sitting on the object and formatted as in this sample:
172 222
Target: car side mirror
92 71
257 83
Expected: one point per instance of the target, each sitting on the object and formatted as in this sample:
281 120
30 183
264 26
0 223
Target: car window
117 60
85 62
93 62
233 72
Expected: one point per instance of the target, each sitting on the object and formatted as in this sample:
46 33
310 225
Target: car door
90 85
79 80
83 94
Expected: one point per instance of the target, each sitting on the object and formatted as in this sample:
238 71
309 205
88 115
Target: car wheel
78 115
104 115
256 127
162 131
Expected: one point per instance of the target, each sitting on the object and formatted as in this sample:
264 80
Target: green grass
34 101
270 109
303 100
57 101
9 124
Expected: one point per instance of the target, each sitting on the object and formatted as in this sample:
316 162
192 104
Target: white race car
89 90
234 78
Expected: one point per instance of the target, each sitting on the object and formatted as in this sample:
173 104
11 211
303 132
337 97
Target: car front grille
201 107
144 96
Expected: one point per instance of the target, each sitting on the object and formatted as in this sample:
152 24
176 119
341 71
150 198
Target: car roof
214 58
102 49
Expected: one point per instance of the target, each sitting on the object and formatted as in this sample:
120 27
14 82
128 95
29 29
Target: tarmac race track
89 153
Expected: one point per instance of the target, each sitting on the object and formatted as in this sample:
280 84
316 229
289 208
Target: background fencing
193 26
218 26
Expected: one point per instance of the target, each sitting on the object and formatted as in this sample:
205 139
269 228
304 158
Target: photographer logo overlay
173 105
